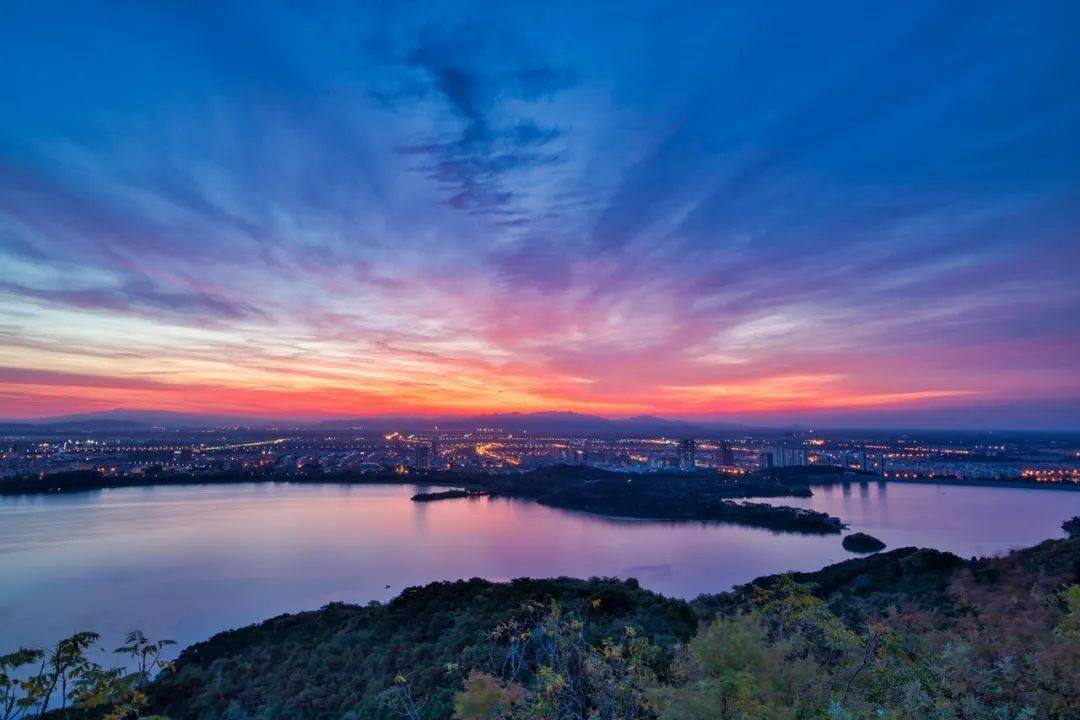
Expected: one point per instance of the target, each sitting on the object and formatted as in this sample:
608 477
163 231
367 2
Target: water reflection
185 562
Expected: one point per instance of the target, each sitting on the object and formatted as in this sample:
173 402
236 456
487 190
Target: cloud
460 69
482 201
141 296
34 376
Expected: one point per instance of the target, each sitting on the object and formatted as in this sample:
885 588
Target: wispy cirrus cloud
467 72
678 209
141 296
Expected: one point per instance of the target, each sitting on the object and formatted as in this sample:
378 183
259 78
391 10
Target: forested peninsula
698 496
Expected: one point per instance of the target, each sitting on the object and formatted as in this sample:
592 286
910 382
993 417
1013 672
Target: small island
447 495
863 543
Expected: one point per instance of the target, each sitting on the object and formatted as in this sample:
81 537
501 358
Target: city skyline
858 216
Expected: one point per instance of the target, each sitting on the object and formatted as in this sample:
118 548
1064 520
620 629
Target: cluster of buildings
491 449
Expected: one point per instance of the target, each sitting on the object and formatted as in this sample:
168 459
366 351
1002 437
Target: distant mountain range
539 423
125 419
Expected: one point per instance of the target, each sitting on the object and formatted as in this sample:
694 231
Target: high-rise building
860 460
687 454
727 457
421 453
435 462
783 456
767 459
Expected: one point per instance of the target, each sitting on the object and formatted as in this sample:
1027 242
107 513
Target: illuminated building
434 461
687 454
725 456
421 453
782 456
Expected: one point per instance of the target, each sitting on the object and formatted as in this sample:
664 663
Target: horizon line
227 419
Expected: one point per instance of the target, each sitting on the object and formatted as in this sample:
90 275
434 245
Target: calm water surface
186 562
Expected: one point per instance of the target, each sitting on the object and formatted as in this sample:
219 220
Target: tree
568 677
147 654
65 673
18 697
485 697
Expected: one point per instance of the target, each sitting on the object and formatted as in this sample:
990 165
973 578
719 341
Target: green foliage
1069 627
348 658
485 697
63 682
733 672
904 635
18 696
684 496
567 675
145 653
999 645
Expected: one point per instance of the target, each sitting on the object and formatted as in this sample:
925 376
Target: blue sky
865 213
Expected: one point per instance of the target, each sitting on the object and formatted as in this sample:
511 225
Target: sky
862 213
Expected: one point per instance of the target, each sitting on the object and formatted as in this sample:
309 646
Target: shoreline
1014 484
26 486
676 497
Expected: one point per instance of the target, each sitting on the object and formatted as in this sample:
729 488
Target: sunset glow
306 210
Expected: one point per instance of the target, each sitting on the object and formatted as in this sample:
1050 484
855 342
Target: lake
186 562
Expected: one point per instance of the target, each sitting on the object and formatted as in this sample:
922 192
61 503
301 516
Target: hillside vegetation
904 634
907 634
342 661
